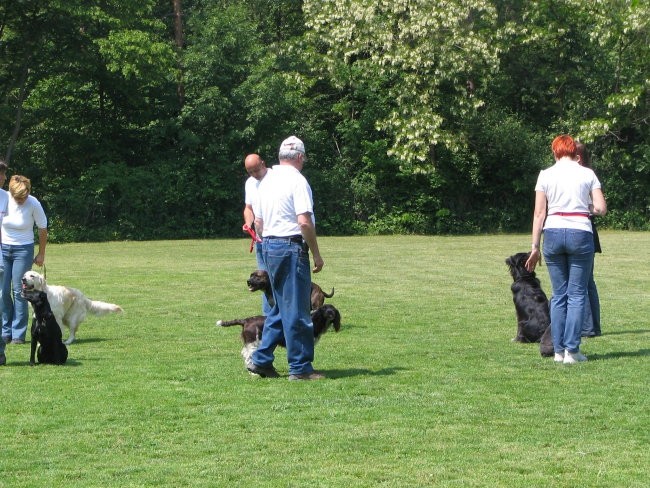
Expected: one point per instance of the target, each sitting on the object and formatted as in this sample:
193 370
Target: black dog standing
45 330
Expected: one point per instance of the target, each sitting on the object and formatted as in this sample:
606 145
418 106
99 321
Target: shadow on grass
68 363
619 332
346 373
87 341
616 355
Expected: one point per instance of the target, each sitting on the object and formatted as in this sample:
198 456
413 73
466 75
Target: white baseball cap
292 144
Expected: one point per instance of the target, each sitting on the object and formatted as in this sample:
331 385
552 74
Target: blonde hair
19 187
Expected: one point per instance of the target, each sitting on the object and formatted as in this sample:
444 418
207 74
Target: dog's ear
337 321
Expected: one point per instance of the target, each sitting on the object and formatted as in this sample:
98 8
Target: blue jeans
591 324
17 261
288 266
266 308
569 256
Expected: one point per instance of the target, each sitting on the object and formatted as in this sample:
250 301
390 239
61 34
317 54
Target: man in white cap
284 216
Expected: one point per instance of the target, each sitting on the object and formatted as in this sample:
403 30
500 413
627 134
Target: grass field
424 386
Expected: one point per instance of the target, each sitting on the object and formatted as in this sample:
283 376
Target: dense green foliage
419 116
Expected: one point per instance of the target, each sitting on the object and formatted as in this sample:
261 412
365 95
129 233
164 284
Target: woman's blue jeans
17 261
591 324
569 256
288 266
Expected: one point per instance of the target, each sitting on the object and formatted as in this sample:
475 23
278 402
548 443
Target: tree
433 57
420 116
585 68
21 33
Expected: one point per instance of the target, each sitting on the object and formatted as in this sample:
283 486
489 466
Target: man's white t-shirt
282 195
251 186
250 190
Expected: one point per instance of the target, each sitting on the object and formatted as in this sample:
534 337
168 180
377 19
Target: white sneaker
559 357
574 357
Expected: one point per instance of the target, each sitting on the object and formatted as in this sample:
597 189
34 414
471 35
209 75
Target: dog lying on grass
253 327
259 281
46 333
531 305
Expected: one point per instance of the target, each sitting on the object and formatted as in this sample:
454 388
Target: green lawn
424 386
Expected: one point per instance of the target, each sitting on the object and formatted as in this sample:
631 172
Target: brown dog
253 327
259 281
318 296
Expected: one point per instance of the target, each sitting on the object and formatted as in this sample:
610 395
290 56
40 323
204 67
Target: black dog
45 330
259 281
253 328
531 305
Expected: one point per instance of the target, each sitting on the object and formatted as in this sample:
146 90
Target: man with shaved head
256 169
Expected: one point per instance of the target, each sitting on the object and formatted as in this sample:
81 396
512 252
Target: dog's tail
96 307
230 323
330 295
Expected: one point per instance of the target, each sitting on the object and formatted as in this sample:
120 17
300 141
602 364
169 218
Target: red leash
254 237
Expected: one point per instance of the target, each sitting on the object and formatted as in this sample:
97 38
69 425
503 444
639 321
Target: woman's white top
567 186
18 221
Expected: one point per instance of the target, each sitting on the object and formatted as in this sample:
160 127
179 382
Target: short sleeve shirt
283 194
567 186
18 224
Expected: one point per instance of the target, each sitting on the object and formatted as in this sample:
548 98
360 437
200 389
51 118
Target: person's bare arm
42 242
308 232
249 216
599 206
259 227
538 224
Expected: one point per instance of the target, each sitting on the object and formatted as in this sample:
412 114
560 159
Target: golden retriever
69 305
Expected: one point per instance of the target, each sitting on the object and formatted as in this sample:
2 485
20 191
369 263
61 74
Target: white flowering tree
432 56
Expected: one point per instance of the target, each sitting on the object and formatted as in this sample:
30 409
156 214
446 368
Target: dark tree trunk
19 113
178 37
